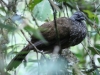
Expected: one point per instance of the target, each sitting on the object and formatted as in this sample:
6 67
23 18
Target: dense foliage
20 17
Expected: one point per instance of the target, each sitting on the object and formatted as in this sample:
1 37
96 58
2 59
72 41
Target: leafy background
33 13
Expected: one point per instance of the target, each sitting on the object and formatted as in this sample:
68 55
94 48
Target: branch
92 69
4 3
55 24
35 48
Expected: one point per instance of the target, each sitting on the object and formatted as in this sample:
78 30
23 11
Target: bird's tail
16 61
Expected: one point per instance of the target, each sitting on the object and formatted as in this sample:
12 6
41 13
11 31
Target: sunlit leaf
36 33
32 3
92 16
42 10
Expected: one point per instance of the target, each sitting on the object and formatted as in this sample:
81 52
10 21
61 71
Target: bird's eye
78 15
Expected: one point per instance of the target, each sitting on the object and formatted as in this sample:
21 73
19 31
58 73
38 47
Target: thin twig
35 48
97 7
67 11
92 23
55 24
77 7
87 52
4 3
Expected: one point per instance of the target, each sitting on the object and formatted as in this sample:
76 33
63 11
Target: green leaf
8 27
61 0
97 20
94 50
80 55
32 3
42 10
3 9
97 72
92 16
97 46
36 33
99 60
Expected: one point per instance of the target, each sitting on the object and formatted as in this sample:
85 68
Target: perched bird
72 31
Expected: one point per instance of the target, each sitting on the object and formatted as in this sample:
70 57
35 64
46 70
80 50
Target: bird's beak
83 18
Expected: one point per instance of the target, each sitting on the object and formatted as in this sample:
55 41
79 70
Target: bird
72 31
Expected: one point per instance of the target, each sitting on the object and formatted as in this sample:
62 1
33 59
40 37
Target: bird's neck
73 19
76 19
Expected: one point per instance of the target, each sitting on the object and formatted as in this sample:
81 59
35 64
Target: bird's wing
48 29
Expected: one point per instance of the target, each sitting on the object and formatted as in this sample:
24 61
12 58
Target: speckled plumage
72 31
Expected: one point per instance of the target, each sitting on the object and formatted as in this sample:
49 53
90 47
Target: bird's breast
78 32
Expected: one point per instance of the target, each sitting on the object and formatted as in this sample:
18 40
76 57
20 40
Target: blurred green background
33 13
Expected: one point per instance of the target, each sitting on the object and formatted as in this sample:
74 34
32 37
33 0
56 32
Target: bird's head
78 16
